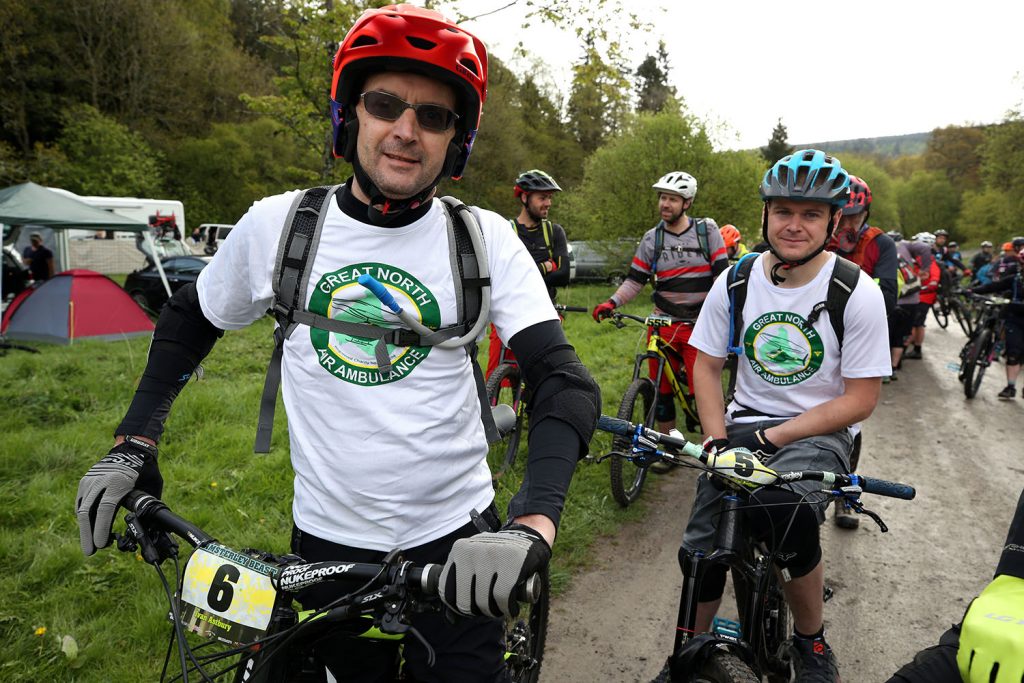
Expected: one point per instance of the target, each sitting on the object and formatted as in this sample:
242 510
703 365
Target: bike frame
658 350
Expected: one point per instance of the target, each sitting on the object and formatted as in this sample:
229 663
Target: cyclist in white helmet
682 256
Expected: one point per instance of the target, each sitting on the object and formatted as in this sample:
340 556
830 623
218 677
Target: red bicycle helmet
860 197
412 39
730 235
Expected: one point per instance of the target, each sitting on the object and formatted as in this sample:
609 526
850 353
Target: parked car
601 261
148 291
213 234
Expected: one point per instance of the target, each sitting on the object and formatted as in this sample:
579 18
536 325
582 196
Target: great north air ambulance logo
783 348
338 295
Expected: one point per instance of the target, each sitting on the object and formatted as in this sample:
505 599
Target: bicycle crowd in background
778 351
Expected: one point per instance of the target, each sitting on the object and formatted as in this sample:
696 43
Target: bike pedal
727 627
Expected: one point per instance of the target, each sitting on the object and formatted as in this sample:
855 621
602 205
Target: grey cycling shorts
829 453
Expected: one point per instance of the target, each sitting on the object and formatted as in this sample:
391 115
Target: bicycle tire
502 454
525 635
975 362
962 316
941 314
627 479
725 667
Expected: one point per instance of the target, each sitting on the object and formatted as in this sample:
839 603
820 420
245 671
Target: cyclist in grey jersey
692 255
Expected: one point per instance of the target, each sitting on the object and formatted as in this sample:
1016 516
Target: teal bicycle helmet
806 175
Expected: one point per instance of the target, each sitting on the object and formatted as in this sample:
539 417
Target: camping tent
31 204
73 305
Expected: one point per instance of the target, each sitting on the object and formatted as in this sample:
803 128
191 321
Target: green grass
59 410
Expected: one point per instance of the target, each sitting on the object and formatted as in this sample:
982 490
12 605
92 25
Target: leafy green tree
778 146
599 99
615 198
1003 161
927 202
956 151
653 90
885 211
986 215
104 157
220 175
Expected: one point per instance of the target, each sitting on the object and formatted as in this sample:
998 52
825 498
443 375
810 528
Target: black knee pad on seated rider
712 586
665 408
1012 360
774 516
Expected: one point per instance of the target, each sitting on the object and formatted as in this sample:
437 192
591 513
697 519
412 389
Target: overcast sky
831 71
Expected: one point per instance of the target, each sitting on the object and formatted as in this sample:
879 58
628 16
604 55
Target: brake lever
859 508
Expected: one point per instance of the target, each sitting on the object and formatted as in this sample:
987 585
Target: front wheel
975 362
725 667
638 407
941 314
525 635
962 315
505 385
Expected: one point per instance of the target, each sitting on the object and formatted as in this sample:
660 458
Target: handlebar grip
379 291
576 309
615 425
891 489
527 591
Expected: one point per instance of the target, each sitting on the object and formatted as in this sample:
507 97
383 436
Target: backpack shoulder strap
300 238
739 275
845 276
546 231
659 244
702 239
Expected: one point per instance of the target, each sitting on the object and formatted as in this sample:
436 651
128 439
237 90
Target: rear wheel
975 362
725 667
505 386
941 313
525 635
638 407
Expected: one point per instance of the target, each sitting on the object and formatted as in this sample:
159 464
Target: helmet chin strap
783 264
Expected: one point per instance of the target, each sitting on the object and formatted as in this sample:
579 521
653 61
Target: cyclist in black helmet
544 240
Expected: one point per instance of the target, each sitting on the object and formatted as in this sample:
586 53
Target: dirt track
894 593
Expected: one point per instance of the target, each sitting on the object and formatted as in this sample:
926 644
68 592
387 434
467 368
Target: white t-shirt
379 463
789 367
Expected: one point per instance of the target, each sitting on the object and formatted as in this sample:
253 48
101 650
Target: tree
927 202
986 215
104 157
653 91
598 101
1002 165
778 145
615 198
956 151
885 205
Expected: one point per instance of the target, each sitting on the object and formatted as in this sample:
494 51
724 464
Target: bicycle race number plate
227 595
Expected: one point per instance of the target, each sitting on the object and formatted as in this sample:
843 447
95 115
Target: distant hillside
889 146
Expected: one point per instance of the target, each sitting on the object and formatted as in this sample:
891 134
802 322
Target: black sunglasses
388 107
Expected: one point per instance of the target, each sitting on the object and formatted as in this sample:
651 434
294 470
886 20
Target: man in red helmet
875 252
384 422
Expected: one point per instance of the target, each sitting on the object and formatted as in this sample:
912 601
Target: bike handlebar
652 320
646 438
291 578
562 308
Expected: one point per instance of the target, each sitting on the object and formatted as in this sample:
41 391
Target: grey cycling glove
483 571
129 465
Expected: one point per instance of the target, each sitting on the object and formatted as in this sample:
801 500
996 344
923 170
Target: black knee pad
1012 360
665 408
774 517
713 585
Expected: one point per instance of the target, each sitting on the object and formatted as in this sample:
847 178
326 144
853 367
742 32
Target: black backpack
297 249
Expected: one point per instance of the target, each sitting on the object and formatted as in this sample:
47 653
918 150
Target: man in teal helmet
804 383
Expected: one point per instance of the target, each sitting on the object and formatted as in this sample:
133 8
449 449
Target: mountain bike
639 402
947 303
756 646
982 347
506 385
239 603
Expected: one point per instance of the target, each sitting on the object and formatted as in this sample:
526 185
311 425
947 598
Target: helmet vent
421 43
468 63
363 41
